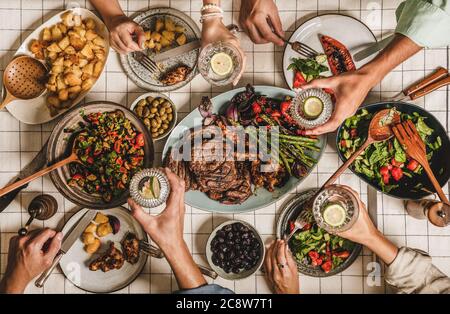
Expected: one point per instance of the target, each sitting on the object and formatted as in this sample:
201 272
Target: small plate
141 76
220 271
174 112
290 211
351 32
75 263
35 111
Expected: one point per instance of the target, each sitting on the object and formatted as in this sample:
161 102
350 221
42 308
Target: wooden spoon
73 157
379 130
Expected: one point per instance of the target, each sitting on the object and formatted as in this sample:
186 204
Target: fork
300 222
408 136
146 62
153 251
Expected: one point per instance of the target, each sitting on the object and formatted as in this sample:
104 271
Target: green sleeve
426 22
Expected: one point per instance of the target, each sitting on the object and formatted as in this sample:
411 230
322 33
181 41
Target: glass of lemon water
220 63
335 208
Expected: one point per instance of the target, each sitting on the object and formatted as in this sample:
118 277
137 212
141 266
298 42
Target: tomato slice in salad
339 58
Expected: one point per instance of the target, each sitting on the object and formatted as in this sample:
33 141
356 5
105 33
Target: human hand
213 31
281 269
257 18
166 229
28 257
363 230
121 32
350 89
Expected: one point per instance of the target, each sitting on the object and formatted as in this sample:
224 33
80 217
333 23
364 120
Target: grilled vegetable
339 58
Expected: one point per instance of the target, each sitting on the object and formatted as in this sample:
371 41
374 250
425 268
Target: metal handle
153 251
40 282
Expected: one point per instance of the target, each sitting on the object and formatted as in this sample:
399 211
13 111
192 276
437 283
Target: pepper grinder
438 213
42 207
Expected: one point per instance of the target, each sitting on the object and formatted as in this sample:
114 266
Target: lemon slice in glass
312 107
334 215
221 64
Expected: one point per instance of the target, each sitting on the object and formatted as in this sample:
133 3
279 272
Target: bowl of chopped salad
385 165
111 143
317 252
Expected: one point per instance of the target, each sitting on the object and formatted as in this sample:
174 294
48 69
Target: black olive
221 256
220 234
227 228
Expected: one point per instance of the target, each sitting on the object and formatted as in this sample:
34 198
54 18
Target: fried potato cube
83 62
80 31
93 247
52 55
36 46
90 34
67 19
72 80
104 229
58 61
77 20
88 69
63 28
64 43
179 29
169 24
164 42
98 41
147 35
156 36
74 89
90 23
54 48
101 218
181 40
53 101
56 69
87 84
151 44
70 50
159 25
100 55
92 228
87 52
52 79
88 238
158 46
169 35
60 83
56 33
76 41
98 67
46 34
63 94
51 87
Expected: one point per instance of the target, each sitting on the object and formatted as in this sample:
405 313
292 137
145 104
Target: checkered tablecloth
19 142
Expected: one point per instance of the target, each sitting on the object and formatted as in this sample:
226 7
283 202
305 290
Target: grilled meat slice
112 259
175 75
130 248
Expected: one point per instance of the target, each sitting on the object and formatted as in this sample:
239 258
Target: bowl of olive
157 112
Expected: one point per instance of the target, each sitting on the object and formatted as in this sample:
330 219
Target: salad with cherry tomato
315 247
384 163
111 151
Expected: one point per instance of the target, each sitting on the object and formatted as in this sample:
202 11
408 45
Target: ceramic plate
35 111
351 32
75 263
141 76
262 198
60 145
289 212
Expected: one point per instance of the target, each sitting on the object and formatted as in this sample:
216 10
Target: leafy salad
306 70
385 163
314 246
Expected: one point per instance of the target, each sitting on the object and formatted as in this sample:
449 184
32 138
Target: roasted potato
93 247
92 228
181 40
100 218
104 229
88 238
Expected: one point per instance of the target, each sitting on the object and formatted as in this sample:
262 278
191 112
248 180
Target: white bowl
231 275
174 112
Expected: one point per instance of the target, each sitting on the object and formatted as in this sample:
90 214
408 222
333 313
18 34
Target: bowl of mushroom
157 112
74 45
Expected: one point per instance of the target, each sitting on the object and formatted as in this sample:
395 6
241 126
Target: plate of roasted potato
74 44
106 257
165 29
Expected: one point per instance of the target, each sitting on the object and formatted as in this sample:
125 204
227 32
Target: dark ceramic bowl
290 211
60 146
438 163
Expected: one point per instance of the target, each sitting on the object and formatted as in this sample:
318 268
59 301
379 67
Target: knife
430 83
373 48
35 165
178 51
372 208
67 243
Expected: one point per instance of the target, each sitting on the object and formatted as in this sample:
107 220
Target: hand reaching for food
29 256
125 35
281 269
261 21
